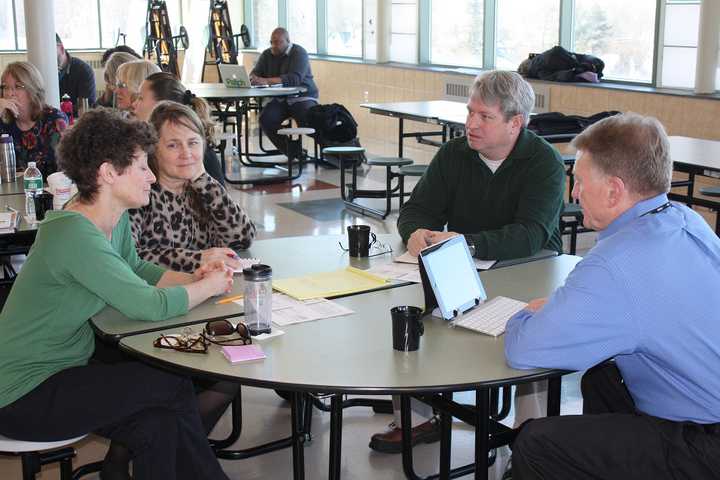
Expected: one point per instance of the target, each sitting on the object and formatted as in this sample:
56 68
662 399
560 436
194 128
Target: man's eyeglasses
377 248
17 88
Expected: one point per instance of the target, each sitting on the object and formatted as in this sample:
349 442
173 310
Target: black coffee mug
43 202
407 328
359 240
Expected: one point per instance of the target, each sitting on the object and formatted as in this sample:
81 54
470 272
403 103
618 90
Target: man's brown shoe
391 441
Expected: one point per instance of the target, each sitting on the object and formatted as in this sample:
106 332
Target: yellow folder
329 284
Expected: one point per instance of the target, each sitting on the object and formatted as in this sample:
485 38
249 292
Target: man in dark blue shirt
287 64
76 78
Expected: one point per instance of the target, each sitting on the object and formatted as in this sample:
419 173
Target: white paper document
245 263
479 264
287 310
404 272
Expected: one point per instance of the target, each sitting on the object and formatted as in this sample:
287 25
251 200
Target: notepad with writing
242 353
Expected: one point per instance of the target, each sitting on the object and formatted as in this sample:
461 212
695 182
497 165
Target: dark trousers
276 112
151 412
613 440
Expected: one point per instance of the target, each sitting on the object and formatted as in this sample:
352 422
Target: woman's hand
206 268
225 255
218 282
10 105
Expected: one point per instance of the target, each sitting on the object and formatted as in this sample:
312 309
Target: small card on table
243 353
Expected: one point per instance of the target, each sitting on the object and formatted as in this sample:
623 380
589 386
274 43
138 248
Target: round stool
409 171
294 148
713 192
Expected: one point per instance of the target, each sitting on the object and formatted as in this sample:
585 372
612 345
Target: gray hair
507 89
632 147
133 73
113 63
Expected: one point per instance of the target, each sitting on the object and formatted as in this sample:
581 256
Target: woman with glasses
130 76
164 86
107 99
34 126
83 260
191 219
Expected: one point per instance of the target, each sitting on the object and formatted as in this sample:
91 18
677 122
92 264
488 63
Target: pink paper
242 353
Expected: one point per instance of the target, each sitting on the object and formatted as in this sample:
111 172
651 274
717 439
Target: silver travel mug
7 159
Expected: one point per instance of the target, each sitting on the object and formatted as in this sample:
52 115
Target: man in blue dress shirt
645 298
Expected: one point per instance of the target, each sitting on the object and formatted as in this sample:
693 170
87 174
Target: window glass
525 27
680 40
403 39
265 17
456 34
621 37
7 29
302 23
120 25
678 67
344 28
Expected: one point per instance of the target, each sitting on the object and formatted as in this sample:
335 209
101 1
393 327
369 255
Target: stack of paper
7 222
479 264
287 310
404 272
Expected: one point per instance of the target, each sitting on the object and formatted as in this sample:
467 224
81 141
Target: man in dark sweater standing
287 64
502 187
76 78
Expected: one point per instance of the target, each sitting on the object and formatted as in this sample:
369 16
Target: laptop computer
234 76
451 282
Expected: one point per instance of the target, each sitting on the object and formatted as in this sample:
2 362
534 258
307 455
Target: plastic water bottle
33 183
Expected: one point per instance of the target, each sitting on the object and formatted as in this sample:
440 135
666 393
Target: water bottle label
33 183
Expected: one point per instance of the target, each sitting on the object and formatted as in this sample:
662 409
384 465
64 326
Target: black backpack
556 123
335 127
332 123
560 65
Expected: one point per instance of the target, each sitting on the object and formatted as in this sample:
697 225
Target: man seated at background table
646 296
502 187
284 63
76 78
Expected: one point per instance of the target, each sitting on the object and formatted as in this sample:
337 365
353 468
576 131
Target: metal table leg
336 406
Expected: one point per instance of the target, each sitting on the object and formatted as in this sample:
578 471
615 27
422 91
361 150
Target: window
344 28
265 19
7 28
456 34
679 51
120 25
525 27
403 34
302 23
621 37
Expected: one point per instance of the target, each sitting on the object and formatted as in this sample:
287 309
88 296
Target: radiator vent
542 98
457 88
94 63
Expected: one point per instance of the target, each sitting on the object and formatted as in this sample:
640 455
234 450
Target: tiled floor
267 416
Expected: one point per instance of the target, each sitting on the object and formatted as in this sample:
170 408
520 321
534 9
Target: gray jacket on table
293 67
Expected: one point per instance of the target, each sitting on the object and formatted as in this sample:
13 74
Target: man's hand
437 237
536 304
255 80
419 239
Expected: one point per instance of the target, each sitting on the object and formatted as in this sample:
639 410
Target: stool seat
389 161
572 210
568 158
19 446
342 150
710 191
296 131
413 170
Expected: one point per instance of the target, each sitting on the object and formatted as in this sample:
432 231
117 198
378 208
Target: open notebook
457 290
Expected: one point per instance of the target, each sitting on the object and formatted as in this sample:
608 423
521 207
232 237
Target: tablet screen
453 276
